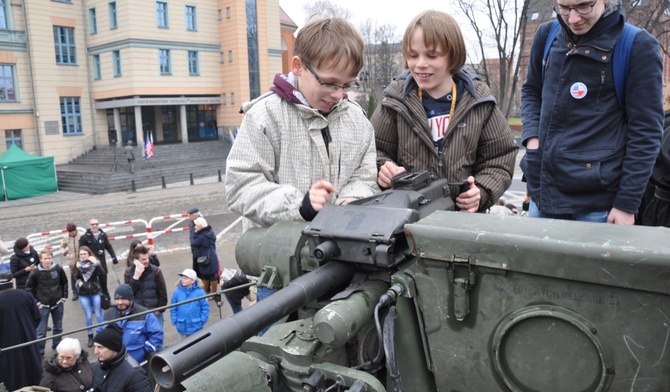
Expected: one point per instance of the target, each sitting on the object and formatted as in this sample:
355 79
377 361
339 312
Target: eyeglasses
94 224
66 359
332 87
581 9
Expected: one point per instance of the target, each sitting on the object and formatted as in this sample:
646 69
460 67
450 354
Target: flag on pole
149 146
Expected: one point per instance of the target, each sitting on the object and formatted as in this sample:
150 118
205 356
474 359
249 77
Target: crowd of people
305 145
35 288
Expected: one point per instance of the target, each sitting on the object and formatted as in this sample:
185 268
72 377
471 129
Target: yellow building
76 74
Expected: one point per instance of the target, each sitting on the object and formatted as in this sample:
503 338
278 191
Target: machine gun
394 293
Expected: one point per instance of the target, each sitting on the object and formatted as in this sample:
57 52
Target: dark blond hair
330 42
666 101
440 32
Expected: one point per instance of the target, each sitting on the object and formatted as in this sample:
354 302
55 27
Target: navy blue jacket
203 243
593 154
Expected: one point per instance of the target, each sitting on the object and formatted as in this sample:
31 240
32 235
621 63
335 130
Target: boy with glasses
305 144
588 156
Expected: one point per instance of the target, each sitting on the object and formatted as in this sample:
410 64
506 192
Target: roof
286 20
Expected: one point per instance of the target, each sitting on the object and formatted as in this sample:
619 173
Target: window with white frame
66 50
113 18
13 136
191 21
3 14
116 62
92 21
7 91
164 61
162 14
97 71
193 68
70 114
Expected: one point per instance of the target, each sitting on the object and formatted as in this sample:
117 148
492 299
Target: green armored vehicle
395 293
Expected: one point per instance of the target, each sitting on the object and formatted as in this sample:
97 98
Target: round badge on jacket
578 90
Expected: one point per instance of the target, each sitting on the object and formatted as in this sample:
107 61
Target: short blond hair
329 42
440 31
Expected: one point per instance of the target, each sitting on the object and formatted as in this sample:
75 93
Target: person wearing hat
19 318
203 244
23 262
142 334
116 370
191 317
193 214
69 247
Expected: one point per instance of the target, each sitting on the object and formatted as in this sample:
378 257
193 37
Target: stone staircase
96 173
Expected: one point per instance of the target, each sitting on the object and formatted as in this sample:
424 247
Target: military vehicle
397 293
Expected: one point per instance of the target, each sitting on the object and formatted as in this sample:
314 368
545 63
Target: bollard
219 175
163 182
191 175
132 186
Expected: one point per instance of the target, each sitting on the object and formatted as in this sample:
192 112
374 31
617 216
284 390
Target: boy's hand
386 173
469 201
320 194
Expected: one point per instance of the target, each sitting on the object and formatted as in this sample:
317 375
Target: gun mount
381 296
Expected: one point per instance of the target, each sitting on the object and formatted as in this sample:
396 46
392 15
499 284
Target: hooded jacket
77 378
477 142
280 152
49 286
191 317
593 155
142 335
18 263
121 373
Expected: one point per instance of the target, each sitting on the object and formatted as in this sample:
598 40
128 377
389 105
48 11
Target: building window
230 56
193 68
113 20
7 92
116 62
3 14
191 24
252 50
220 15
232 98
227 12
92 21
66 51
97 73
225 99
162 14
164 61
70 114
223 57
13 136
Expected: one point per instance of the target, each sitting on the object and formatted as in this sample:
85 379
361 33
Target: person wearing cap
142 334
191 317
147 282
193 214
48 284
116 370
203 244
69 247
23 262
19 318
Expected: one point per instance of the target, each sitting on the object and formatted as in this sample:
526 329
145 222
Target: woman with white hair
203 245
69 370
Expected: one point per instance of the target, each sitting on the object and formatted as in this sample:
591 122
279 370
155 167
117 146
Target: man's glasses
94 224
581 9
332 87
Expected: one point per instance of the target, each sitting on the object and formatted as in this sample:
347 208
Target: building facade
81 74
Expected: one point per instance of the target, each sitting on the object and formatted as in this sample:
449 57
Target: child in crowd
436 117
191 317
305 144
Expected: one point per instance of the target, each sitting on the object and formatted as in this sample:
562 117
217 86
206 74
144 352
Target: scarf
86 269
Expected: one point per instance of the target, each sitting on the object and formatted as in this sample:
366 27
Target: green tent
25 175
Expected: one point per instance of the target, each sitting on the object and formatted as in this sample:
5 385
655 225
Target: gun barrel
178 362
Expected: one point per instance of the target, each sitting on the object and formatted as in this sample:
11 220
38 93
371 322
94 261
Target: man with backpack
592 114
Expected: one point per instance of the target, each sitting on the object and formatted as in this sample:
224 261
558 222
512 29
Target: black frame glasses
580 9
332 87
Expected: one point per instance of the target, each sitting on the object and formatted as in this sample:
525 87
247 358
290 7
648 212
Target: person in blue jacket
191 317
588 157
142 334
203 245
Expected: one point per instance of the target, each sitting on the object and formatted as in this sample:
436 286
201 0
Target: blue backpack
621 55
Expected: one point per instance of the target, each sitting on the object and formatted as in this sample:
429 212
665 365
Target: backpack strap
620 56
620 61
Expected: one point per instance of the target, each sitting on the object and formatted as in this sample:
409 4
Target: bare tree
324 9
653 16
498 24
